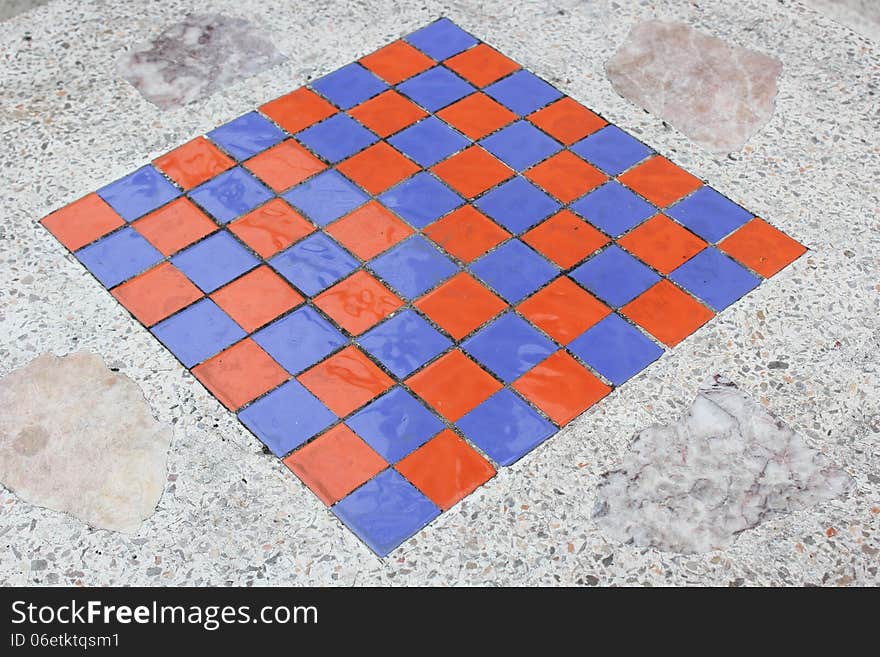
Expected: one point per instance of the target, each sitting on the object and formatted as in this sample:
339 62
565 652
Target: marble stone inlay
717 94
193 59
726 466
80 438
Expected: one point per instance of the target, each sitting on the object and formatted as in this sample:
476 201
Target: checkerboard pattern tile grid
258 136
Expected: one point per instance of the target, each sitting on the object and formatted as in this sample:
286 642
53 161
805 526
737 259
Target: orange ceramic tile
566 176
667 313
397 61
157 293
271 227
284 165
358 303
335 463
460 305
369 230
567 120
387 113
561 387
761 247
481 65
453 385
466 233
298 110
472 171
446 469
660 181
565 238
240 374
175 226
563 310
345 381
378 167
82 222
193 163
662 243
477 115
256 298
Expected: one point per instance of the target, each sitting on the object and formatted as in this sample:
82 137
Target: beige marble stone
79 438
716 93
725 467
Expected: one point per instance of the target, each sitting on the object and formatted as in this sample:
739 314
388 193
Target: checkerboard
416 269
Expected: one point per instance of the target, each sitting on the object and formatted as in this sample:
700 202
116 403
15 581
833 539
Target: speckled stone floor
804 345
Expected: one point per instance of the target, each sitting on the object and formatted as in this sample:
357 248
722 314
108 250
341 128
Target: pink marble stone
717 94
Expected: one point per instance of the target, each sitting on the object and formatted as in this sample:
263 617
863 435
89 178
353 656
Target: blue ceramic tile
505 427
118 257
615 276
517 204
386 511
413 267
435 88
198 332
395 424
404 343
441 39
421 199
615 349
326 197
300 339
613 208
286 417
709 214
509 347
247 135
214 261
139 193
349 86
429 141
714 278
520 145
231 194
336 138
514 271
523 92
611 150
314 264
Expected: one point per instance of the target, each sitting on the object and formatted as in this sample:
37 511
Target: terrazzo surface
804 345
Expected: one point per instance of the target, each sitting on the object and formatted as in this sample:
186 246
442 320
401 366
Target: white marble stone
196 57
726 466
80 438
716 93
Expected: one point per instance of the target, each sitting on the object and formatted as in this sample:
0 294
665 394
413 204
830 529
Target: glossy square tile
247 135
286 418
505 427
614 276
415 269
508 347
138 193
214 261
395 424
404 343
230 195
175 226
386 511
157 293
514 271
300 339
358 303
118 256
314 263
